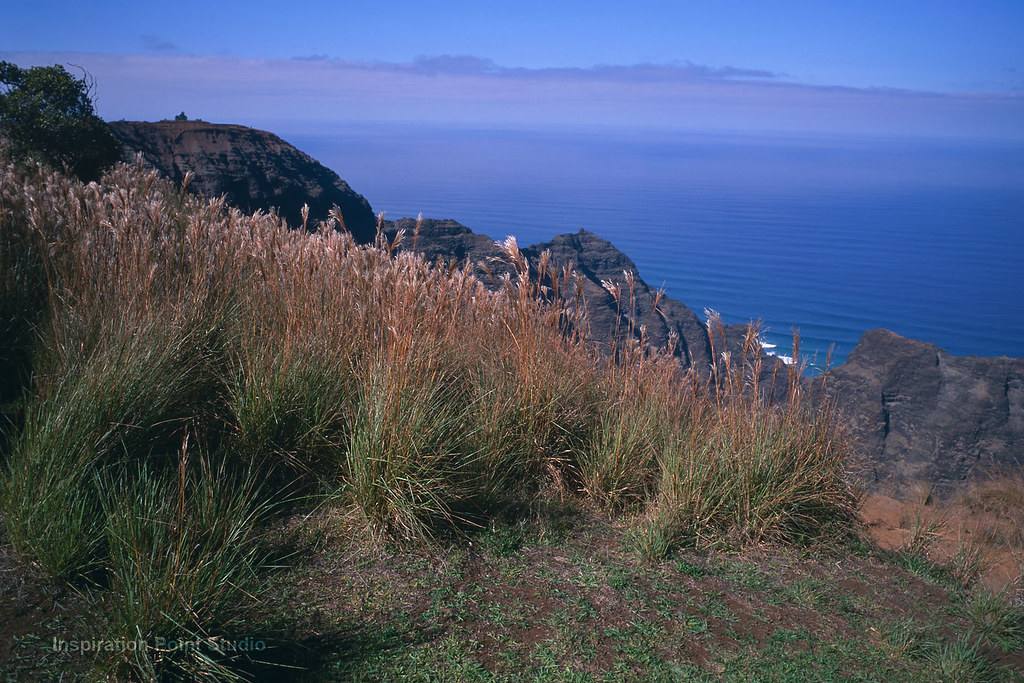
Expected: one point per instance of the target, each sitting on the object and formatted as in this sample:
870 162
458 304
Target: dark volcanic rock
252 168
595 259
450 241
920 414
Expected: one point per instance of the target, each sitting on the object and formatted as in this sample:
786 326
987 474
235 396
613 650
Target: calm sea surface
831 236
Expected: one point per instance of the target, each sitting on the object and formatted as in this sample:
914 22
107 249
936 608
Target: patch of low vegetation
240 451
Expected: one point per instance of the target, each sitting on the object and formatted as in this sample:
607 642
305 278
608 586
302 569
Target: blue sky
944 68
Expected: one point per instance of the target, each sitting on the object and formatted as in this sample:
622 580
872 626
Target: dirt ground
953 532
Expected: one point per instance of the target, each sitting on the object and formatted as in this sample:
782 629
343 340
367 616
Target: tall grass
405 391
111 406
652 404
738 468
181 553
23 289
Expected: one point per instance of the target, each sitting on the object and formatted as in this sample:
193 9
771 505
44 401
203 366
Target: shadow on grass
324 658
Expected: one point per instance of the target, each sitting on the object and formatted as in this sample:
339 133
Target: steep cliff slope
920 414
252 168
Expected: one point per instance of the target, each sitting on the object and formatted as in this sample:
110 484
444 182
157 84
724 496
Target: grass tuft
182 554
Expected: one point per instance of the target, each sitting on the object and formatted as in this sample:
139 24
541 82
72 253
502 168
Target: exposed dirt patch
955 532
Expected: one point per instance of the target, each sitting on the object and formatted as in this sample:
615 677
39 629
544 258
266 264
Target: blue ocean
830 236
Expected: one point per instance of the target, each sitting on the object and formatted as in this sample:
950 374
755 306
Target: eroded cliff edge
253 169
921 414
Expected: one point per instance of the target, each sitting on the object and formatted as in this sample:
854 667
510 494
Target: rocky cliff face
920 414
593 258
597 260
450 241
252 168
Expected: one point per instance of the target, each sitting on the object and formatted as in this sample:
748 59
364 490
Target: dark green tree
181 117
47 113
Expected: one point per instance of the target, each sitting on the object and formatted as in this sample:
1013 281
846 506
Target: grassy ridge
189 373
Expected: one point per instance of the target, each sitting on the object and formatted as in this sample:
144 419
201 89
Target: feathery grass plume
416 231
336 215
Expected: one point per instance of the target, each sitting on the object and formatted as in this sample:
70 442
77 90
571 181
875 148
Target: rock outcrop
450 241
253 169
596 260
922 415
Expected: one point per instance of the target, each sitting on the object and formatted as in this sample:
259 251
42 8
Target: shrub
47 112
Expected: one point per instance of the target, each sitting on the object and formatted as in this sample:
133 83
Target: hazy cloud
687 71
455 65
153 43
466 90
